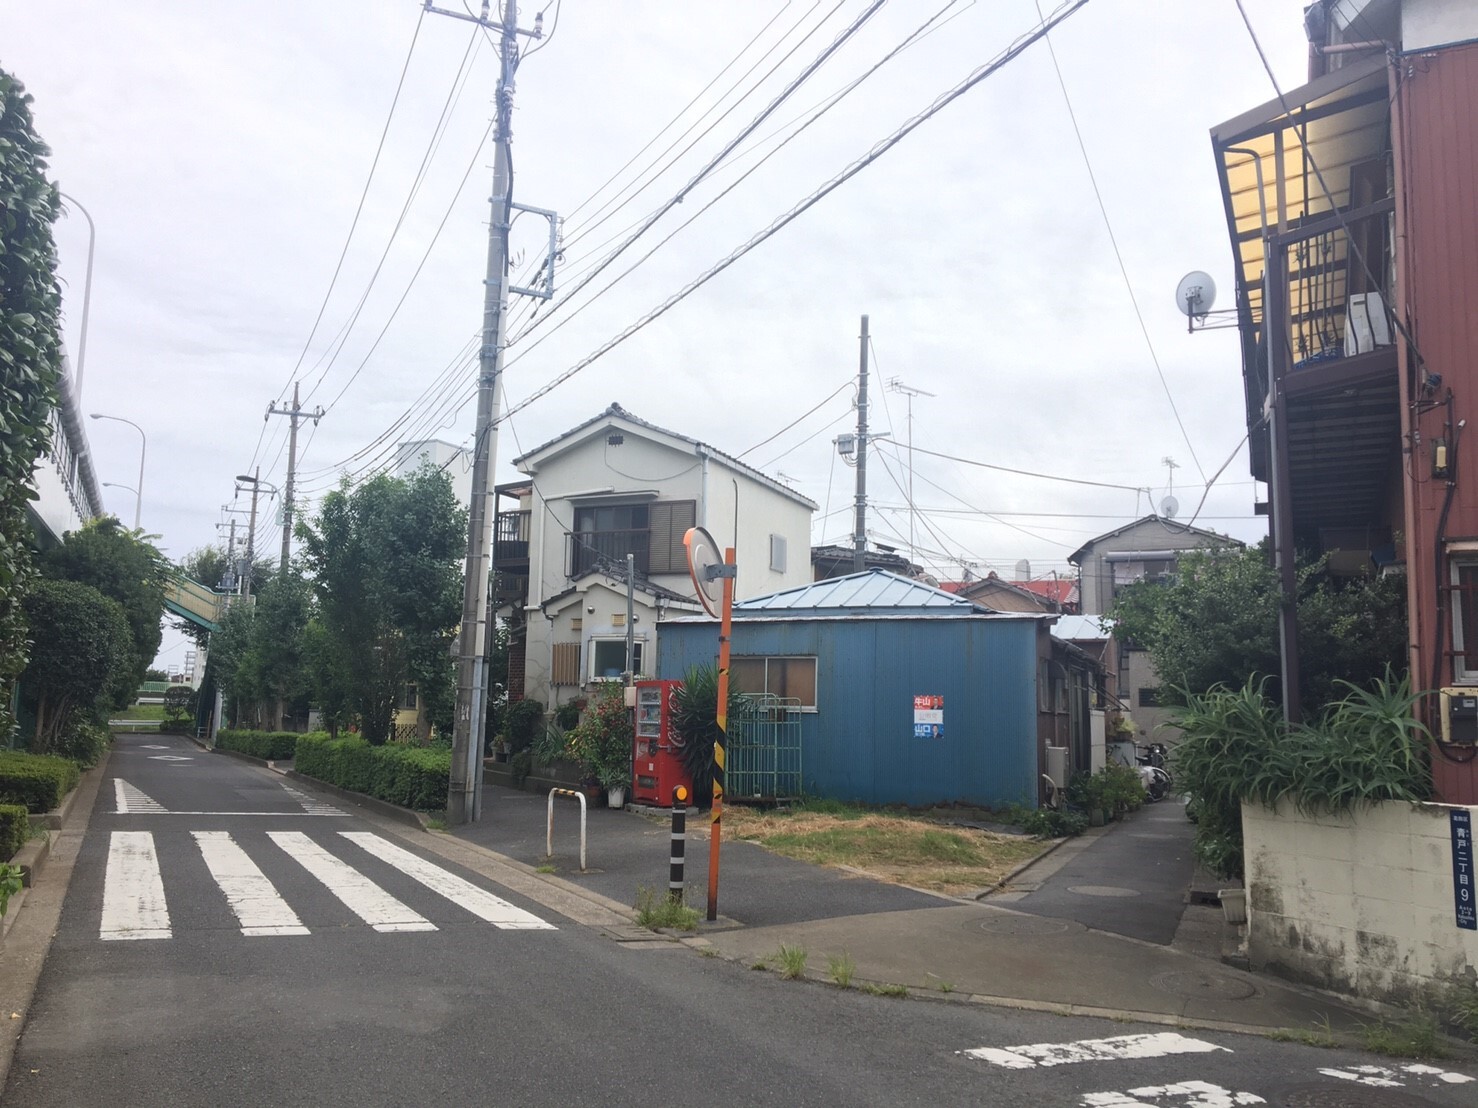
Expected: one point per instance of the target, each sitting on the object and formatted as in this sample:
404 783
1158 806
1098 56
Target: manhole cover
1192 984
1346 1095
1026 925
1101 890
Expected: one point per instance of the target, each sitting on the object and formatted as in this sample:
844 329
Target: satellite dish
1169 506
1195 294
704 563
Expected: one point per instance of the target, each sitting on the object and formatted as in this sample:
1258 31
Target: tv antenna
1169 506
895 384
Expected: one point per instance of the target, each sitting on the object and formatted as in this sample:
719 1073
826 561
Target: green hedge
410 776
15 829
268 745
36 781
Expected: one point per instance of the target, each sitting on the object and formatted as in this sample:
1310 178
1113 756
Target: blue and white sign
1462 869
928 717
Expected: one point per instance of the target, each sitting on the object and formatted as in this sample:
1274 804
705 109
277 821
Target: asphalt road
388 991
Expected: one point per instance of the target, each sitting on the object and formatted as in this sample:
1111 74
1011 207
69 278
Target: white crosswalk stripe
135 906
1091 1050
133 891
311 806
357 892
479 902
251 896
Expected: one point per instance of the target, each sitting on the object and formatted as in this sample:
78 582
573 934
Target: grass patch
1417 1036
792 961
138 711
885 990
545 868
840 967
1320 1035
435 823
899 848
667 911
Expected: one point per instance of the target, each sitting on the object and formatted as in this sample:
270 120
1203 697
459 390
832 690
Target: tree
1216 623
81 645
385 560
207 565
30 359
121 565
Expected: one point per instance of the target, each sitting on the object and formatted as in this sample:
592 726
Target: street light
86 302
138 504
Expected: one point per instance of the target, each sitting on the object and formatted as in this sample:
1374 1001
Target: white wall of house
1360 903
646 467
1427 23
454 461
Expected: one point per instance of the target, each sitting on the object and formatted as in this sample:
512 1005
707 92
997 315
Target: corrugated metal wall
1437 153
859 743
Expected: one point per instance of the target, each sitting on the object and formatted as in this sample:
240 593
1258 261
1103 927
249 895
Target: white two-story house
618 485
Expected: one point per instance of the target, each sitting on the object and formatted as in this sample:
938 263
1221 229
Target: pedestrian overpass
200 604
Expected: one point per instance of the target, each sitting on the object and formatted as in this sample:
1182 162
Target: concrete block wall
1359 903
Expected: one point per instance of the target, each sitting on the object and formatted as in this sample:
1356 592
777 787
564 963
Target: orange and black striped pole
726 621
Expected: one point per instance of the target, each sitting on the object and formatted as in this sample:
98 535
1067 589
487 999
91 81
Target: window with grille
790 677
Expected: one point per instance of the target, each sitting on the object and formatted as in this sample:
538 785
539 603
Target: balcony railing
587 550
511 538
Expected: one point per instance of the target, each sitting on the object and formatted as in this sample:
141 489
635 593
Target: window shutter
565 664
669 521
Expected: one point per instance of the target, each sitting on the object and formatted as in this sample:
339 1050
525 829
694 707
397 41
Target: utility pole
464 793
896 384
255 481
294 414
859 533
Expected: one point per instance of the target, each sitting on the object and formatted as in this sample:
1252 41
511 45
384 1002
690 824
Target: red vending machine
657 761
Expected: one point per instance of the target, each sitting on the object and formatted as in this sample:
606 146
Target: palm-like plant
695 722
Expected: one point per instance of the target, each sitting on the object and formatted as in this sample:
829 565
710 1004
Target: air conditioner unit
1459 716
1366 326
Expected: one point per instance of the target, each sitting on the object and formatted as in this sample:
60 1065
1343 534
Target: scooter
1152 772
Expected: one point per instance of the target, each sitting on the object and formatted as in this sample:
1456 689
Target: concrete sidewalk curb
30 933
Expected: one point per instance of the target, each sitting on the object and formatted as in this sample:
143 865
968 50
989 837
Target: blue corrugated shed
880 641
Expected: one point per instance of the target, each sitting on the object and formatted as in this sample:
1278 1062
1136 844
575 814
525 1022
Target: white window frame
638 656
777 553
1458 558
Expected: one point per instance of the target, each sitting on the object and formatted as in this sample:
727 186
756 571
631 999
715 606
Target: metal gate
762 761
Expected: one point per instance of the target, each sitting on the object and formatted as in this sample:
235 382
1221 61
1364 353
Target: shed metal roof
873 592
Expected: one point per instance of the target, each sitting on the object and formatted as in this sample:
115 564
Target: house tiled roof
1060 590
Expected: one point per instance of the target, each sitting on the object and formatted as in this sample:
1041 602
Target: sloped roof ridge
873 588
1184 528
615 410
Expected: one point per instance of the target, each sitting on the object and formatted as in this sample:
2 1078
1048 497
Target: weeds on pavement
1417 1036
667 911
885 990
840 967
792 961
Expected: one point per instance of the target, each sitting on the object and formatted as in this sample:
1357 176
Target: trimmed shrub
36 781
410 776
15 829
84 741
267 745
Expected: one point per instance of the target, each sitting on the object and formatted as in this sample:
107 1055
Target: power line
1118 254
844 385
1027 472
881 148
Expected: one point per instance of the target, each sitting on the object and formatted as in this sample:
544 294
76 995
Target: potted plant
602 744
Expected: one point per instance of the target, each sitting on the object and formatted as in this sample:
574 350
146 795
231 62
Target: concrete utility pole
294 414
859 533
464 794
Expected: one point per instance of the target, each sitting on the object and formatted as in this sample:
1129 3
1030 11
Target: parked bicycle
1152 772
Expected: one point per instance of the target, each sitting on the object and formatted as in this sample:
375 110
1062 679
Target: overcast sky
222 151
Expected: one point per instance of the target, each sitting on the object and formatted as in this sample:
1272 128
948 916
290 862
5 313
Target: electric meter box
1460 716
657 759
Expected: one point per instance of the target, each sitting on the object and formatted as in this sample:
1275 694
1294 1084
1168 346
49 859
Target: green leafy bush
602 741
567 715
15 829
523 722
10 884
1113 790
38 782
1049 823
84 742
1366 747
410 776
695 719
267 745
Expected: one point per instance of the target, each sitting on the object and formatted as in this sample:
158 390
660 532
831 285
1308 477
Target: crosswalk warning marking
1182 1094
463 893
311 806
1091 1050
358 893
132 800
133 891
257 905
